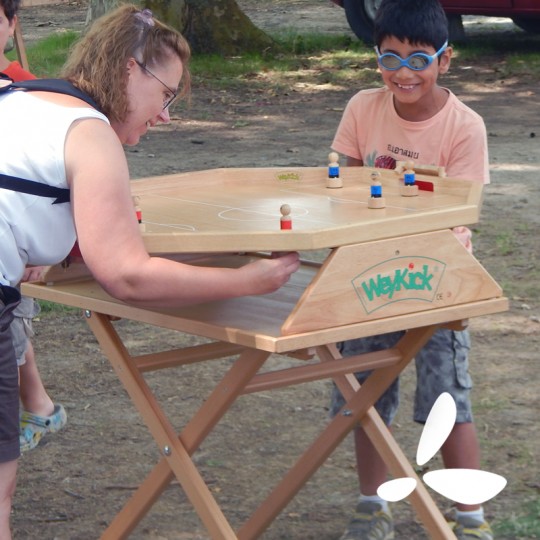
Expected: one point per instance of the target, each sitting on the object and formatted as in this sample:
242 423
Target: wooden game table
389 269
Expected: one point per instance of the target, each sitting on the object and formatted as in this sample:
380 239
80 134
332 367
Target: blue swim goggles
416 61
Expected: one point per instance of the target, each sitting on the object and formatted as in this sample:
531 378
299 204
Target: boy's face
412 87
6 30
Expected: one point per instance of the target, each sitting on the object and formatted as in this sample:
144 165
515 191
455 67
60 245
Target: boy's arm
354 162
468 157
469 160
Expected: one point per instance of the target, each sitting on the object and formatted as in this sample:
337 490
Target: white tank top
33 231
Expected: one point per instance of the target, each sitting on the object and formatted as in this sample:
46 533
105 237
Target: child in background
8 20
412 117
39 414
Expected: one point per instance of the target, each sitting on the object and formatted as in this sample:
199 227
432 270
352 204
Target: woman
131 66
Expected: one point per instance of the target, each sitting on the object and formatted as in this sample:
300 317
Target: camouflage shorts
21 327
441 366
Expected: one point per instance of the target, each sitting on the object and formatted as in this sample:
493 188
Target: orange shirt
17 73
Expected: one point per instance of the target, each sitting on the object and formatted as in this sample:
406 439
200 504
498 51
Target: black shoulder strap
59 86
13 183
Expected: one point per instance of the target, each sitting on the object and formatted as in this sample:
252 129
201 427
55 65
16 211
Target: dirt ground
71 487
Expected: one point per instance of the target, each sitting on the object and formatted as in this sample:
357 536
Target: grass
320 59
313 57
525 525
49 54
48 308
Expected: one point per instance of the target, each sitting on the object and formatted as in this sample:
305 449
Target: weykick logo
288 176
465 486
397 280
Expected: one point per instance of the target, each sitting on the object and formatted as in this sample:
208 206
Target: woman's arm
111 244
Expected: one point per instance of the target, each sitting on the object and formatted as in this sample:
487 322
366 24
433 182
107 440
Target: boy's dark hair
417 21
10 7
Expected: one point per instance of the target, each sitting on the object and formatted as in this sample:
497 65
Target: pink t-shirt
454 138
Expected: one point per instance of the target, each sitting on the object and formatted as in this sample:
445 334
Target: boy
8 20
414 118
39 415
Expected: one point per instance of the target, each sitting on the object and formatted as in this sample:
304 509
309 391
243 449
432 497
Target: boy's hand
33 273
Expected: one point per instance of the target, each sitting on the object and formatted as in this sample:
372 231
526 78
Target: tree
210 26
97 8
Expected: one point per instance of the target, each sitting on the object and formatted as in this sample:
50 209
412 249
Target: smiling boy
413 118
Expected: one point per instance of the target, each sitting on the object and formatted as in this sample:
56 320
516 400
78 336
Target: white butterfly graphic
465 486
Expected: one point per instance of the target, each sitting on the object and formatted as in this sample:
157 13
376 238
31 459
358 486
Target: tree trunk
210 26
97 8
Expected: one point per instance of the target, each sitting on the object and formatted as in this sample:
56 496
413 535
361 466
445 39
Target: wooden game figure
428 170
333 181
409 187
285 221
376 200
138 212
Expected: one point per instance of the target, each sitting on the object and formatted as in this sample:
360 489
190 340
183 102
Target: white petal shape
439 424
396 490
465 486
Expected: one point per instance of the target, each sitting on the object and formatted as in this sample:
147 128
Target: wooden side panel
393 277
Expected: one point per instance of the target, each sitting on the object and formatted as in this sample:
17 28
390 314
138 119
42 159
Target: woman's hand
268 275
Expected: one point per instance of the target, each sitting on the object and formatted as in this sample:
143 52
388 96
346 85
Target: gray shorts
9 379
441 366
21 327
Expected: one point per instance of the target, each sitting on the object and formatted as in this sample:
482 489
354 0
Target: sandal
34 427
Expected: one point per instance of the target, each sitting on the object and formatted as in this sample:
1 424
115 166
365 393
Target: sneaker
370 522
34 427
469 529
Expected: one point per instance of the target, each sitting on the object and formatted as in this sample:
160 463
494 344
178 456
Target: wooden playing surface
239 209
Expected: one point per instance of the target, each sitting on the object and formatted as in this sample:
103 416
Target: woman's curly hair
97 63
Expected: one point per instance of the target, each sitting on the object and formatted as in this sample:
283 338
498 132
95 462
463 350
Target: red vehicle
524 13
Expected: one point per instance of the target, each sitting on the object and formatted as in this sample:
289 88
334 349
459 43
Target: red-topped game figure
285 221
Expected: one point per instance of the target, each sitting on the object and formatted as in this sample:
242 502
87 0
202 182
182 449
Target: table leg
396 461
177 449
354 410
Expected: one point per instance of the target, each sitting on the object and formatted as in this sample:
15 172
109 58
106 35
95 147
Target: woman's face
149 89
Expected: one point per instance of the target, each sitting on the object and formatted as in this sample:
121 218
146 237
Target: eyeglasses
172 93
416 61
